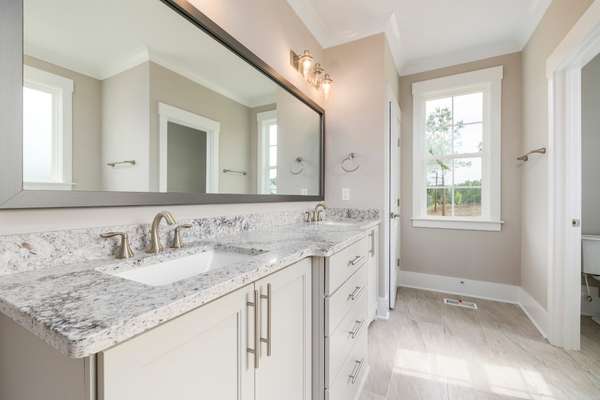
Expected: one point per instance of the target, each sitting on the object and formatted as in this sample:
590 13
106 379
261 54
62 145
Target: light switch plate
345 194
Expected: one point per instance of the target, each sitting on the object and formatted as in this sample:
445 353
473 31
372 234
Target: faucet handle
177 242
124 249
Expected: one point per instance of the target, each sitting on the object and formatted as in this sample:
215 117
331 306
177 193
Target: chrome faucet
155 245
317 213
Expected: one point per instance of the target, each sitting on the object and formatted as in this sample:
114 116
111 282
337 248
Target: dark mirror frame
12 195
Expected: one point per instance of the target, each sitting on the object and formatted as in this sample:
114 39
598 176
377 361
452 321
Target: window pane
273 135
467 172
468 139
468 108
38 141
467 202
272 156
439 202
438 126
438 173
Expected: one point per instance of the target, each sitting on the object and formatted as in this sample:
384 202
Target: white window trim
212 128
63 87
261 180
488 81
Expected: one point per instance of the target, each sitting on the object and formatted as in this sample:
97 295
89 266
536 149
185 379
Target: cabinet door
200 355
284 371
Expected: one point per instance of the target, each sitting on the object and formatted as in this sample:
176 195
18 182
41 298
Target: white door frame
563 71
166 114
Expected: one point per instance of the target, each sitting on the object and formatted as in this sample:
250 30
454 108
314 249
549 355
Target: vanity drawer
347 334
344 263
352 373
347 297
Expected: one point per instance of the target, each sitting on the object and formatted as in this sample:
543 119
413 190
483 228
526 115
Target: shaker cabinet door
284 370
200 355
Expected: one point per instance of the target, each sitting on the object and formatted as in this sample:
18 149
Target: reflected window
268 163
47 113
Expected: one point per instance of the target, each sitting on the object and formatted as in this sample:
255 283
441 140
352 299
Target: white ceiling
103 38
426 34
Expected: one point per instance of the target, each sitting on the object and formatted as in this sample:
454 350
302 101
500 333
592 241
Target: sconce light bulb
326 85
306 60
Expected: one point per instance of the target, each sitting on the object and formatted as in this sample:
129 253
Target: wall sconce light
313 73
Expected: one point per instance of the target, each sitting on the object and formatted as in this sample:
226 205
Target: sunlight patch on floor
486 377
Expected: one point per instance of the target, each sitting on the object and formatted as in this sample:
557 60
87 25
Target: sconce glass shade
306 62
326 85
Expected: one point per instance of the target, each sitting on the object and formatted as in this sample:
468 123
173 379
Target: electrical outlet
345 194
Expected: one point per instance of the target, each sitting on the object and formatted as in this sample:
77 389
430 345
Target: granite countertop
81 310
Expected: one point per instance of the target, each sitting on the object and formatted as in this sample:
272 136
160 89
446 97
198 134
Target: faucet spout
155 244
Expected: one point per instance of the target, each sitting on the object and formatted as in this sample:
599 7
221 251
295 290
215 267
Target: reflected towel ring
300 162
350 158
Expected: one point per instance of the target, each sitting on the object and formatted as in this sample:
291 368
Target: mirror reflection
130 96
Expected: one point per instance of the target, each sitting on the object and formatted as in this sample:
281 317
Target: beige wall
125 126
87 121
355 122
270 28
486 256
590 146
234 138
556 23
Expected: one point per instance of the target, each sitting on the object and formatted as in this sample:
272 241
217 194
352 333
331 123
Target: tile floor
430 351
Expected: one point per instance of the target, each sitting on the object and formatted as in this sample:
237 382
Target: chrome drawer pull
268 340
356 260
256 350
356 371
356 293
354 333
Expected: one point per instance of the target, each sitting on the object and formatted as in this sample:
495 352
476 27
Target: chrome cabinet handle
356 293
356 371
354 333
355 261
256 350
269 299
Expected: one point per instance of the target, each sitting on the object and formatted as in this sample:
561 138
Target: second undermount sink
174 270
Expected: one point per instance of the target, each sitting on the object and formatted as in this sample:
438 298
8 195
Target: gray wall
87 121
125 126
558 20
590 145
486 256
186 157
234 140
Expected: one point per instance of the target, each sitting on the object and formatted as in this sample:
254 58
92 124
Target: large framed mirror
145 102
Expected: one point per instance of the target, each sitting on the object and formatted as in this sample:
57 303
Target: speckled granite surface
80 310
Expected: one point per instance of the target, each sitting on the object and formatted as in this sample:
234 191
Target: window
456 151
267 151
47 124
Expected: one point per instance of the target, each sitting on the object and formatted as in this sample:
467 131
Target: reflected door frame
168 113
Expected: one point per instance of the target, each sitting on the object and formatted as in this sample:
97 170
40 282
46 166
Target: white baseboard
383 308
464 287
481 290
538 315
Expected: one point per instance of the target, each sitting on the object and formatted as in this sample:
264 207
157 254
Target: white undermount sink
177 269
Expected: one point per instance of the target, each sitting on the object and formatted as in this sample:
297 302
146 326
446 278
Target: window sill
458 223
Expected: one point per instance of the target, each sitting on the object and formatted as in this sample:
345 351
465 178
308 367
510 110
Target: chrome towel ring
349 164
300 168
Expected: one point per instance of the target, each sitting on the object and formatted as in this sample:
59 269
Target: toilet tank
591 254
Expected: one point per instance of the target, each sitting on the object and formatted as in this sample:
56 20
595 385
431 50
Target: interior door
394 198
284 370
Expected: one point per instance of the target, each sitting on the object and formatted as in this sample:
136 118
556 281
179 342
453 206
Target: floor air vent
461 303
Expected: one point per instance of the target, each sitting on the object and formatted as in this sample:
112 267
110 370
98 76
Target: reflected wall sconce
313 73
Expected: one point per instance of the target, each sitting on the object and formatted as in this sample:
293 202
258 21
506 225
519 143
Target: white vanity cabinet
343 310
209 352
